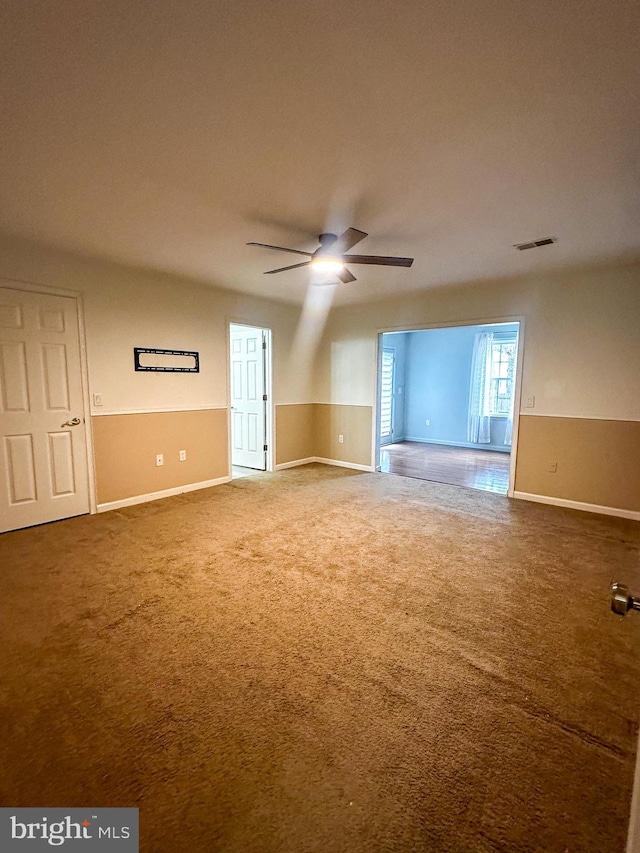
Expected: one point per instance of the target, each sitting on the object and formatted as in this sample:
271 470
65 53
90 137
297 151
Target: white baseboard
295 463
498 448
167 493
602 510
337 462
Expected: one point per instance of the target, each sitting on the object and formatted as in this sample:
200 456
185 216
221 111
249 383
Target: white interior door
248 403
43 458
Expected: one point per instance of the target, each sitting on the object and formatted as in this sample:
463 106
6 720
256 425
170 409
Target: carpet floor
325 660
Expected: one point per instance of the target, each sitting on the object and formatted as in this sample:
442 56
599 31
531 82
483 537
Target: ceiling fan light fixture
330 259
327 265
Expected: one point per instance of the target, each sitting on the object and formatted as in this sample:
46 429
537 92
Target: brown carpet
320 660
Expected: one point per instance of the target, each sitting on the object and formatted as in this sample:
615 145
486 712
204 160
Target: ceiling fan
330 256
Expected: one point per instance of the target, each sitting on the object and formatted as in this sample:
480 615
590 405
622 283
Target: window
503 372
386 393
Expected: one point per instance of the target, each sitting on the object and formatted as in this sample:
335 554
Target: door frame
269 435
78 296
517 399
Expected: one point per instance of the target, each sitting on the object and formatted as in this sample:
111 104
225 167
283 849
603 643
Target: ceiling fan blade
280 249
345 241
345 276
293 267
382 260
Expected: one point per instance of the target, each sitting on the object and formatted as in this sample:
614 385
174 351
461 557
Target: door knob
621 601
72 422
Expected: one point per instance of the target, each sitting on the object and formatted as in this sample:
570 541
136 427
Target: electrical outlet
159 460
531 402
341 439
427 422
553 467
183 455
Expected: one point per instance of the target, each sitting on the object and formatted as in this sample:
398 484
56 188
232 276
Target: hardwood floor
487 470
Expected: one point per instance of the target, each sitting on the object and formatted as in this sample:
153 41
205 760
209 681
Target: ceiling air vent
533 244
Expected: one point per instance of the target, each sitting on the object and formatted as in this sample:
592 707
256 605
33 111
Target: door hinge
264 398
264 447
264 344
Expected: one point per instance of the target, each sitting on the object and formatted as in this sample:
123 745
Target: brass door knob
621 601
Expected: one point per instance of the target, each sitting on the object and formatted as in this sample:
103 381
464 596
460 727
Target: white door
248 398
43 458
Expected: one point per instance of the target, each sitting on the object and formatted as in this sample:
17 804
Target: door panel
56 380
61 464
248 417
13 377
21 469
43 460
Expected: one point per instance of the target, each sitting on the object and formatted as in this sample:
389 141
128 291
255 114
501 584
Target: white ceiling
167 134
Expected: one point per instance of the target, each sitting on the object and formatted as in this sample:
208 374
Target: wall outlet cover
159 460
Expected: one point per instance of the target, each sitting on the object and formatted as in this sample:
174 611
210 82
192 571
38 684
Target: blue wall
435 381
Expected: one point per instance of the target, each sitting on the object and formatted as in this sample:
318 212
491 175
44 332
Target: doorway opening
448 404
250 387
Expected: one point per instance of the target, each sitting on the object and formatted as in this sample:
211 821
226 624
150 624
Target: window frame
499 341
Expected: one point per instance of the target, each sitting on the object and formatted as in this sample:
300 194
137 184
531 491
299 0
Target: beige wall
295 432
126 447
598 461
581 357
582 345
313 430
354 423
123 308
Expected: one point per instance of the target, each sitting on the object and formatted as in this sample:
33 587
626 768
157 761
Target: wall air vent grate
533 244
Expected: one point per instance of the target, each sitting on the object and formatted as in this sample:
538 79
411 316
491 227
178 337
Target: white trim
322 461
339 464
282 465
166 493
585 507
496 448
302 403
150 411
86 403
517 407
445 324
341 403
531 414
35 287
